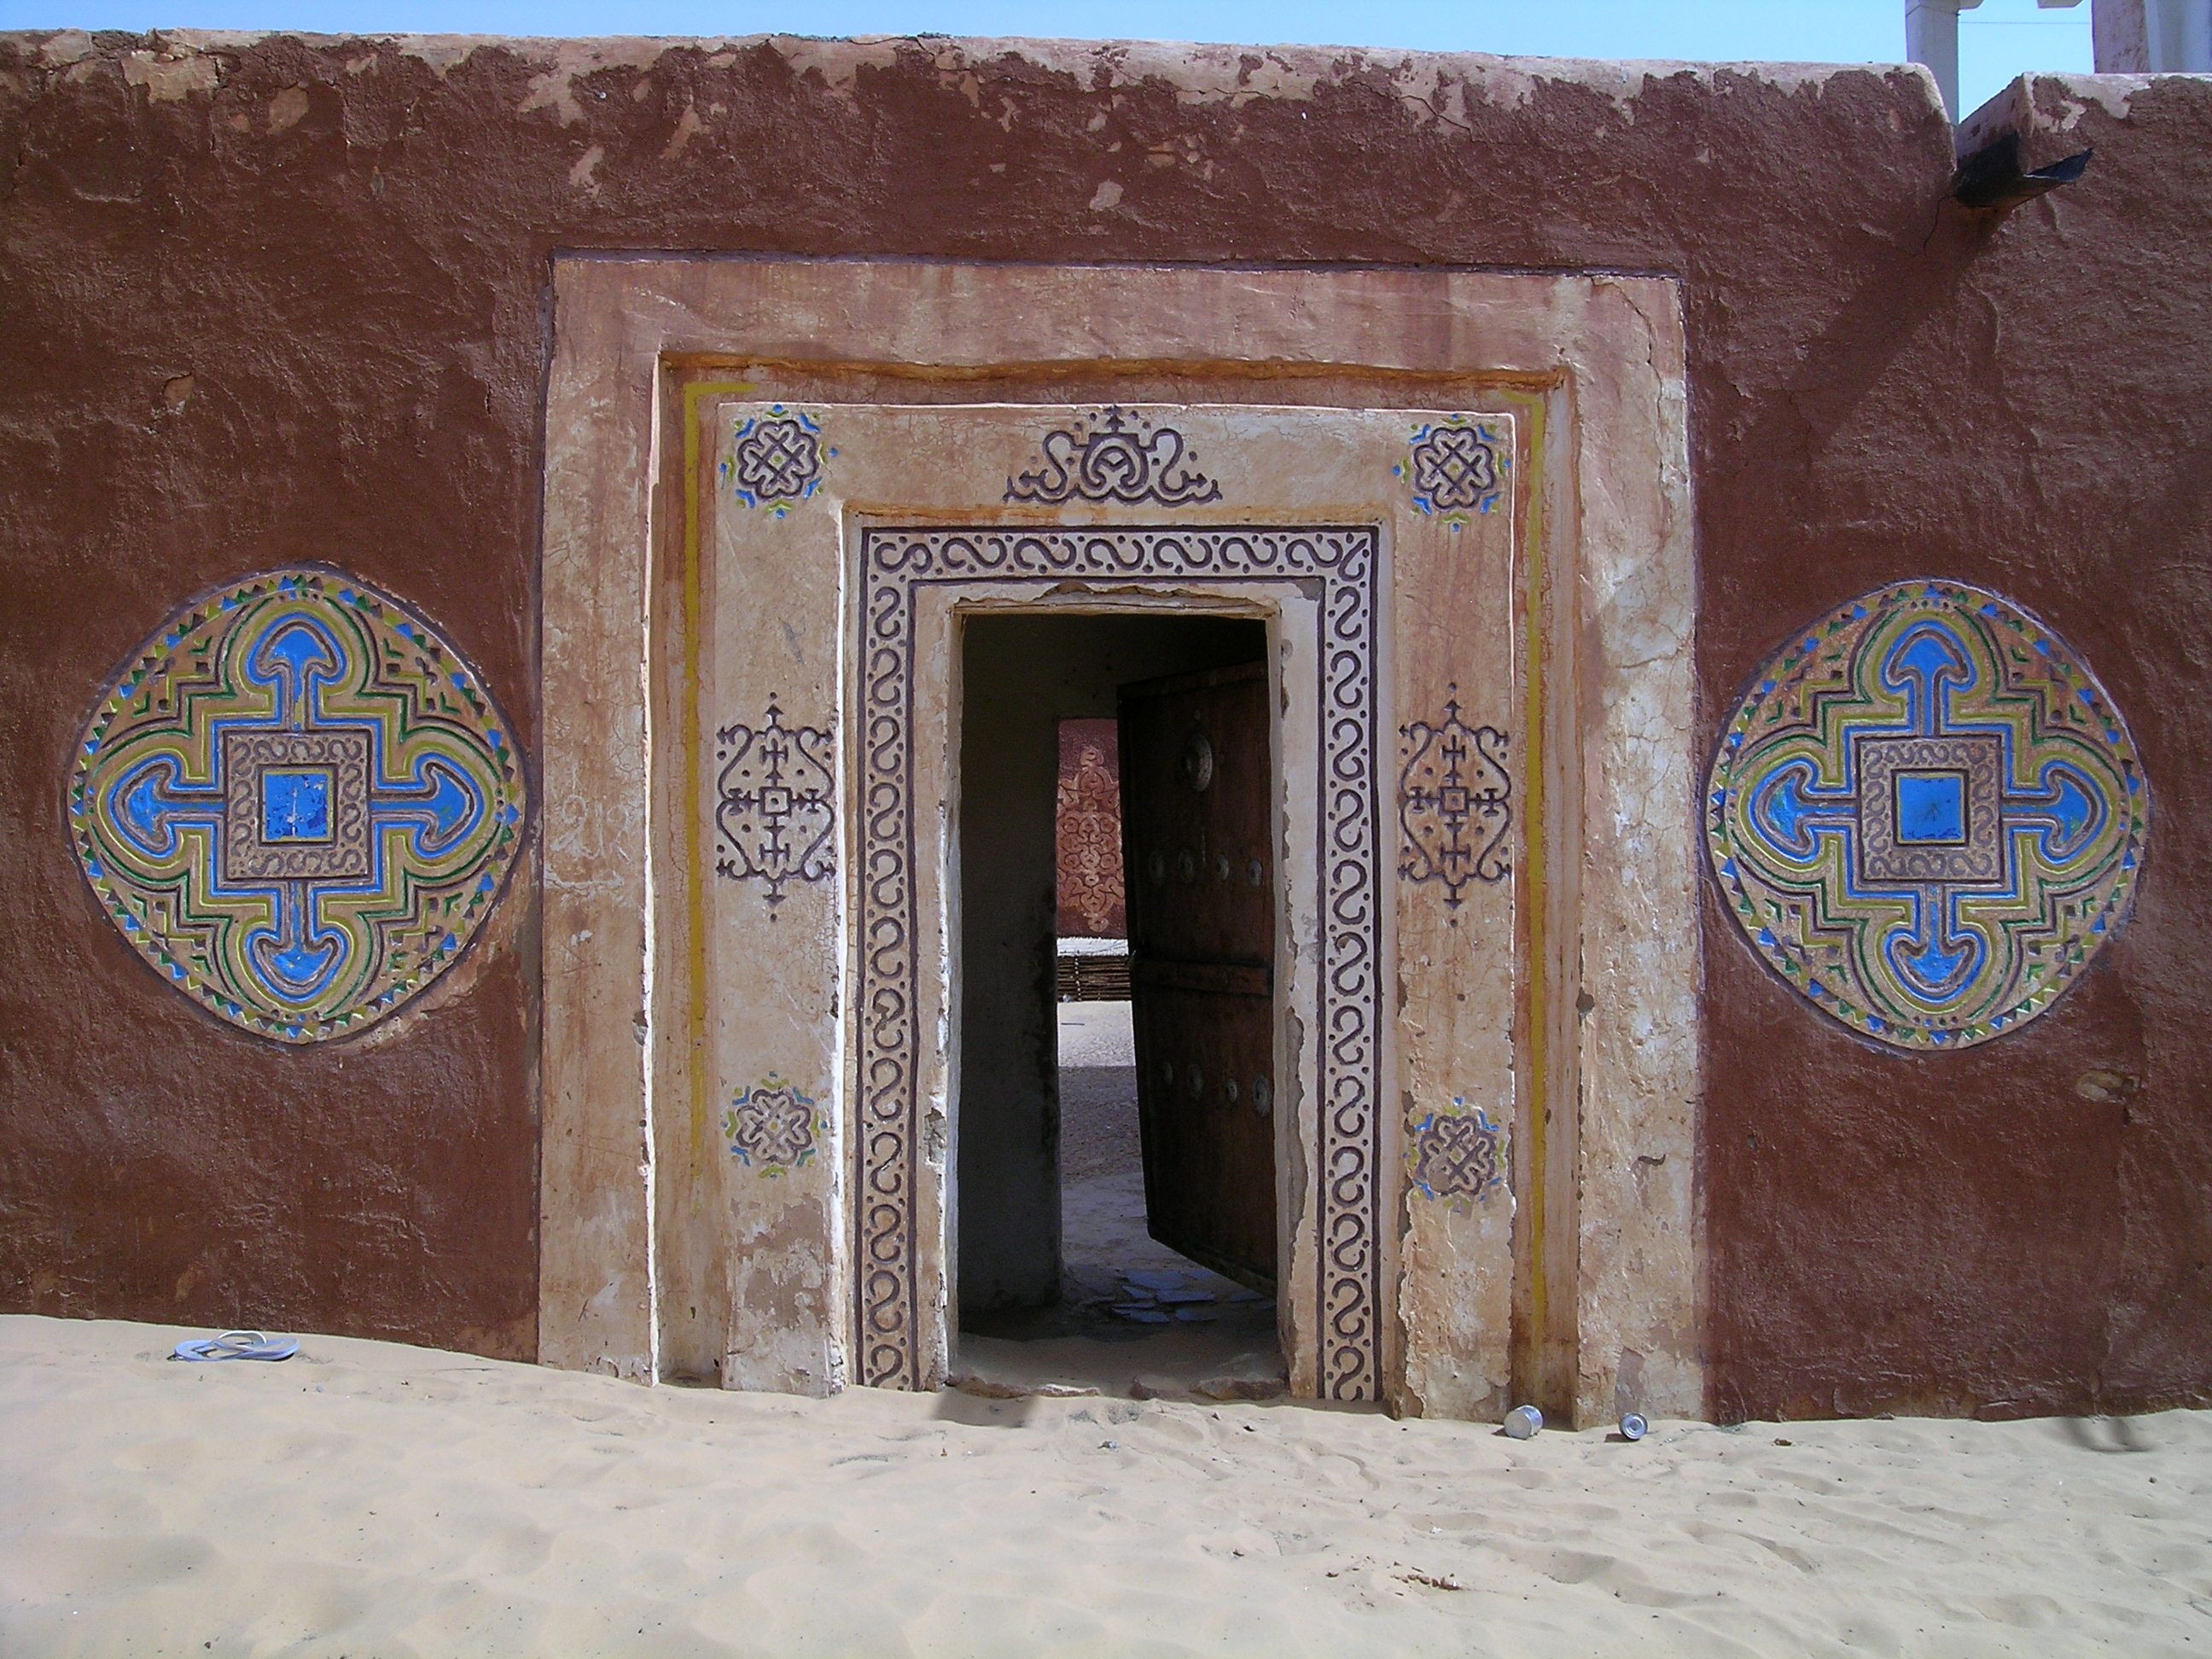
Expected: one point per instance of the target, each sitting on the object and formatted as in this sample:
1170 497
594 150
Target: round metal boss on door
298 804
1196 764
1927 816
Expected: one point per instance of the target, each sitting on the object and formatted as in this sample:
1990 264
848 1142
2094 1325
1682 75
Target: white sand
370 1499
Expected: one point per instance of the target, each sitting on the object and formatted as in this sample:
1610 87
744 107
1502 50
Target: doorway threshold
1135 1320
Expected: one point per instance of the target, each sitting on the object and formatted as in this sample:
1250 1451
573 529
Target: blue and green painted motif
298 804
776 459
1927 816
1456 1154
1457 467
772 1126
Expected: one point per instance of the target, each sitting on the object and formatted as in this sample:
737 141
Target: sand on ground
376 1500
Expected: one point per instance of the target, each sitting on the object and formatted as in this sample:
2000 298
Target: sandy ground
1097 1090
370 1499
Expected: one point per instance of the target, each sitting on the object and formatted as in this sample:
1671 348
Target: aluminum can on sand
1522 1422
1633 1427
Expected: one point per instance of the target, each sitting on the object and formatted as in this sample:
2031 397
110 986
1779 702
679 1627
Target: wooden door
1199 862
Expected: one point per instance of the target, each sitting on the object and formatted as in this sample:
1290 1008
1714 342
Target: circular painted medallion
298 803
1927 816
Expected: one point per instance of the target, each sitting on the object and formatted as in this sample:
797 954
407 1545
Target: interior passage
1059 1277
1131 1315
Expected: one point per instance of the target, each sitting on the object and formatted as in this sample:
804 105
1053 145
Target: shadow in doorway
1057 1279
1133 1318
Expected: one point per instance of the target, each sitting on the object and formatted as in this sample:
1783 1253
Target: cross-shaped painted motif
301 767
1926 814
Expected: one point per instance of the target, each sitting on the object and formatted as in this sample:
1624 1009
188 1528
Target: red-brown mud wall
281 301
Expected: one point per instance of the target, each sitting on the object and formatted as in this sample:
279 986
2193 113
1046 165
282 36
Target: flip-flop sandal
237 1344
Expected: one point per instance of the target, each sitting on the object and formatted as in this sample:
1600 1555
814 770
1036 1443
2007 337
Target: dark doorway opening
1063 1188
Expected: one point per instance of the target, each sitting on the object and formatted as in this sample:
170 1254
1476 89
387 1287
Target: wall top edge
609 265
1199 72
2049 104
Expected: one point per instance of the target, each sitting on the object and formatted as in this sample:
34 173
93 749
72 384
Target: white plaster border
1620 824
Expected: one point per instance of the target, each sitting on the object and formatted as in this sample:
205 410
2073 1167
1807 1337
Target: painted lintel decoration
1454 803
774 810
1457 1153
298 803
772 1126
1456 467
1115 457
775 459
1927 816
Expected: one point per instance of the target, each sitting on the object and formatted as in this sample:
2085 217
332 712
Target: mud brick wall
272 300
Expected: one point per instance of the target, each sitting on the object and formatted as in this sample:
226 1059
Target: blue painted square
296 804
1931 808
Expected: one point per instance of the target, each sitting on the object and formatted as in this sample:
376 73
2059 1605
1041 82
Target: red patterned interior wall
1087 831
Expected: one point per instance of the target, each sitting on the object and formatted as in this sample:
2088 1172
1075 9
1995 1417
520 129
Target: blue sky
1997 42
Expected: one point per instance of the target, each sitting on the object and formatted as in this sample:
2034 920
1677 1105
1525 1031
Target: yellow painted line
688 735
1536 873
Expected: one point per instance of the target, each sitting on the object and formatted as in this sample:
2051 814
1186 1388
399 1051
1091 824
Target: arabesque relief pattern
776 459
1115 457
1458 466
771 1126
895 564
774 808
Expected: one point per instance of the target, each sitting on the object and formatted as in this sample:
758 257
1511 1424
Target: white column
2152 37
1931 37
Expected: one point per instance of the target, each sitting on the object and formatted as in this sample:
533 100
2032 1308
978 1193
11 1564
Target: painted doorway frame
1607 1260
1323 589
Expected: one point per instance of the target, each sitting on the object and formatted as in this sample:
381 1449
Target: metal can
1633 1427
1522 1422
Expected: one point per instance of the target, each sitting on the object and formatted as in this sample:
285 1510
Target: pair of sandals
237 1344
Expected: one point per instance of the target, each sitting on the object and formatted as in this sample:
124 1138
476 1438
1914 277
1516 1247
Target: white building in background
2130 37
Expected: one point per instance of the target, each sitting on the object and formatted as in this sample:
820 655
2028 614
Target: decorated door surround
1320 587
1547 1285
1069 508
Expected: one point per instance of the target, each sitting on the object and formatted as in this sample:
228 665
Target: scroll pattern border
895 563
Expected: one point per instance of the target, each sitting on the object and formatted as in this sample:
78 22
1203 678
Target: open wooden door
1198 857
